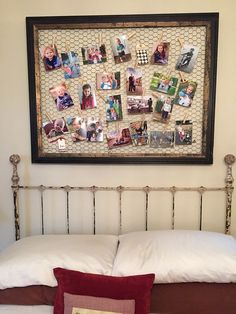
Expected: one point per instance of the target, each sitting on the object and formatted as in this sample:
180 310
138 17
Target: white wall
15 124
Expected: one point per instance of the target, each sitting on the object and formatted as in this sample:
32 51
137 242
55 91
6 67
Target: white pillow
30 261
177 256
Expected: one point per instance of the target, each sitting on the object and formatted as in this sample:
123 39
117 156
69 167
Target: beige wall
15 124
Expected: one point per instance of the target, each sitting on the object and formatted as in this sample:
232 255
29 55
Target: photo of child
139 104
119 138
187 58
163 109
61 97
108 80
164 83
160 53
55 128
94 54
70 64
113 108
50 58
185 93
159 139
139 133
87 97
134 81
77 128
94 130
120 49
183 132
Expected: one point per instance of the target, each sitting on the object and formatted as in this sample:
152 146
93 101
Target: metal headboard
228 189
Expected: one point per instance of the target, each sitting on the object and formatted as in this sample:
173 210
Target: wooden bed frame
184 298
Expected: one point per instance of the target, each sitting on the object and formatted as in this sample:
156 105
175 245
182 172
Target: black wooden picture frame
197 29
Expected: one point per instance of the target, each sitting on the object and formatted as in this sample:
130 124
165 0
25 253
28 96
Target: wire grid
74 39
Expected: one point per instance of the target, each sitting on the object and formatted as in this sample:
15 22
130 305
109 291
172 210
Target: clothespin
182 77
131 35
104 66
49 118
101 96
185 118
181 42
100 39
161 38
155 95
53 40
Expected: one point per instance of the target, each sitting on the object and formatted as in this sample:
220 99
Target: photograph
160 139
142 56
77 128
160 53
94 130
113 108
55 128
183 132
187 58
108 80
118 138
70 64
139 133
61 97
185 93
134 81
120 48
50 57
139 104
164 83
163 109
87 96
94 54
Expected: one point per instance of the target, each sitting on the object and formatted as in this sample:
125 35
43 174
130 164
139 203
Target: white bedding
173 255
30 261
177 256
21 309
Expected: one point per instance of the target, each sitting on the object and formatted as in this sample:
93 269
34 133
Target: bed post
229 160
15 159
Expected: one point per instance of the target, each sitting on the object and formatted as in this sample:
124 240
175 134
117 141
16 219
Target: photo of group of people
113 108
94 54
81 129
108 80
139 104
169 92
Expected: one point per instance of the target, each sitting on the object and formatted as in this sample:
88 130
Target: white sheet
21 309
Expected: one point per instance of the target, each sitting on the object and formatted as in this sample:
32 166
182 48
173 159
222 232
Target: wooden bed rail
228 189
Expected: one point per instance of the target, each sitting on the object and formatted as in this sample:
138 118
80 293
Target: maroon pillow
136 287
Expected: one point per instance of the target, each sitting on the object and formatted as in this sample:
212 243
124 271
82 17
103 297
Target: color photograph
164 83
108 80
187 58
120 48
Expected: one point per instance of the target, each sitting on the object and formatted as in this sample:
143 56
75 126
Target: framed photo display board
122 89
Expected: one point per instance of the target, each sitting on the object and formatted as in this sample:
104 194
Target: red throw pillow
137 287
